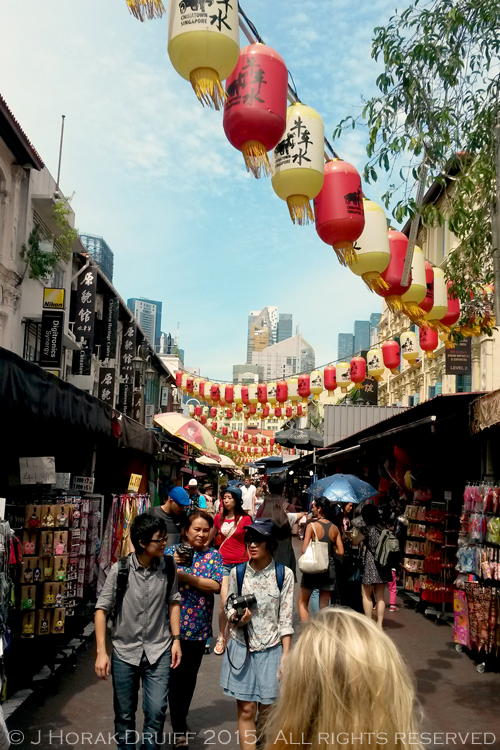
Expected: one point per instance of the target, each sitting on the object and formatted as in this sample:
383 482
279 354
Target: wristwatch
176 638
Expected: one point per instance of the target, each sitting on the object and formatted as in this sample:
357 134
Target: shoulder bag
315 559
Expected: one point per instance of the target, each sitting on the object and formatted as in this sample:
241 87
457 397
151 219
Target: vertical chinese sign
84 321
110 329
127 354
106 390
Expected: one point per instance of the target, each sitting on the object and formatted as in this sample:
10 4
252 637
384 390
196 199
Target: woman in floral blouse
260 638
199 580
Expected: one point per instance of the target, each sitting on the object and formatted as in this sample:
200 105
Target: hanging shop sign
84 321
369 393
149 415
458 360
37 470
51 345
125 398
136 406
128 350
110 329
83 484
63 481
82 360
106 389
53 299
164 395
135 483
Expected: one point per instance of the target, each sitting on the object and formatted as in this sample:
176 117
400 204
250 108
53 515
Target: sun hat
179 496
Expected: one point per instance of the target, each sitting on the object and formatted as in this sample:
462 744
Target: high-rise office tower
289 357
361 335
257 321
285 327
374 321
345 346
147 312
99 251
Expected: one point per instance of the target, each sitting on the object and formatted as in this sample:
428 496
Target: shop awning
26 388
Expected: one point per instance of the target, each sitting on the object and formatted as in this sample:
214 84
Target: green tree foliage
41 264
439 96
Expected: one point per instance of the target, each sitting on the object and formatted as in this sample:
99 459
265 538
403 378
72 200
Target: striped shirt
142 625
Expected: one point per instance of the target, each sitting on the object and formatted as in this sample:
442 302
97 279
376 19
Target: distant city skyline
362 338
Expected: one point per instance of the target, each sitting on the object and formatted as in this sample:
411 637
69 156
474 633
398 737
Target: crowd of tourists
343 672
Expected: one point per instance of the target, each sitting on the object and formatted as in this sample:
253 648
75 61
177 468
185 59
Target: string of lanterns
203 46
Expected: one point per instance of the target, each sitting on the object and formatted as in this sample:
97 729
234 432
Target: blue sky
153 173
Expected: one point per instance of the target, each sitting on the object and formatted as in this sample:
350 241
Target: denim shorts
226 569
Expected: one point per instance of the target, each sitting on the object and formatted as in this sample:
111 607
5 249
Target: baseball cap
264 527
235 491
193 483
179 496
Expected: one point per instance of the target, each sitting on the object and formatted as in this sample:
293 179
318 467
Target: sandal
181 741
220 646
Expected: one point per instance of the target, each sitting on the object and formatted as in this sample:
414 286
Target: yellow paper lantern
418 288
316 384
440 306
372 249
252 394
203 45
409 346
375 362
207 391
293 390
298 162
343 373
271 394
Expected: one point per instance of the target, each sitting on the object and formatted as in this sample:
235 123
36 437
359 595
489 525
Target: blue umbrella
342 488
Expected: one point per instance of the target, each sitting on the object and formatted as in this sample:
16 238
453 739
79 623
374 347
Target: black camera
187 553
241 603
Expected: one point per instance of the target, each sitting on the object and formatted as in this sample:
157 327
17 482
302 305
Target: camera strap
247 642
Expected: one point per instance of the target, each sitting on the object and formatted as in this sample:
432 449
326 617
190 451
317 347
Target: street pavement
74 709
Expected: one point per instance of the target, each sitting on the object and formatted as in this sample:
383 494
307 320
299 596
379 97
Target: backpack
240 574
387 547
122 582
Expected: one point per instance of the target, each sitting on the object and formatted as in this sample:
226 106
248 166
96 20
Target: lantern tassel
256 159
207 87
449 344
394 303
300 209
414 312
430 355
146 9
374 281
346 253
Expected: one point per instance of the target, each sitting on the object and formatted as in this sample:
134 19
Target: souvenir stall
476 597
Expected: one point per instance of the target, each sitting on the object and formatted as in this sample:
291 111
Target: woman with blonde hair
344 685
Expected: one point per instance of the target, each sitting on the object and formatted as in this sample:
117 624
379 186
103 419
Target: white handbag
315 559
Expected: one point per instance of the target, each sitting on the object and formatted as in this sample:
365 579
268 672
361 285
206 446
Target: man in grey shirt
174 513
145 634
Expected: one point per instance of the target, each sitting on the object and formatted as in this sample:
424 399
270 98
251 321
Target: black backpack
168 566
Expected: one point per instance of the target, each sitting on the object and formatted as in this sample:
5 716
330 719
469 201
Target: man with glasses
142 598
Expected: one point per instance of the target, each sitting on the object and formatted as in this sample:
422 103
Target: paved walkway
455 698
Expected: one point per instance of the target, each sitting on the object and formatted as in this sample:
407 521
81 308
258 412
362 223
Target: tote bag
315 558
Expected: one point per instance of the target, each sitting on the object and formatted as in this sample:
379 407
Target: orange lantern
429 341
330 379
358 371
304 387
340 217
392 356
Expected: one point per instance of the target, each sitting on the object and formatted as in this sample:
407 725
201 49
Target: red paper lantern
229 413
215 393
213 411
358 371
272 441
255 109
197 411
224 430
229 394
253 408
304 387
245 437
254 439
398 244
239 408
262 393
299 410
235 434
178 378
281 391
330 379
429 341
189 385
392 356
265 412
277 411
214 426
453 314
428 302
244 395
203 419
340 217
288 411
202 389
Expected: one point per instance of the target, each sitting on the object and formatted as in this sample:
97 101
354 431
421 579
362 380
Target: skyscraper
288 357
374 321
361 335
285 327
147 312
267 319
99 251
345 346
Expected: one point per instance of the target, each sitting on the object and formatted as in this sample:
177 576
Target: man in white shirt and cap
248 496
